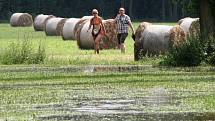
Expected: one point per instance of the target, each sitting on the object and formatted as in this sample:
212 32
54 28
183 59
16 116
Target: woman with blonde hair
98 30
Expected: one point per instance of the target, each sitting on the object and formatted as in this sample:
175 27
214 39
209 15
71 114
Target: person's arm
130 24
102 26
132 28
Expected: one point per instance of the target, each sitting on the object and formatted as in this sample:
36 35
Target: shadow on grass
111 76
93 81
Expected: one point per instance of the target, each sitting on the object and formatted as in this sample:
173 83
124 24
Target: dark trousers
121 37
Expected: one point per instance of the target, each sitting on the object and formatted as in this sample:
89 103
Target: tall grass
22 52
188 53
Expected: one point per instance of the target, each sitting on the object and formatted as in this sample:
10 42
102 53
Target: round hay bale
85 39
40 22
87 17
177 35
195 28
139 30
138 54
60 26
191 26
21 20
156 39
51 26
68 29
77 30
109 41
80 25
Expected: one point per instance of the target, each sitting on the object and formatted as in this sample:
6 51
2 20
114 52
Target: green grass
34 94
56 89
61 52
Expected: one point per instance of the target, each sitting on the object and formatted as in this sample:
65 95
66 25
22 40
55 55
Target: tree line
147 10
151 10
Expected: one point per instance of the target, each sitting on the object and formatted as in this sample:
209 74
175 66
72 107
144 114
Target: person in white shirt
123 23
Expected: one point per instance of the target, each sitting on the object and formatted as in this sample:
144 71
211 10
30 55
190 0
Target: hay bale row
191 26
53 25
40 22
177 36
77 30
21 20
156 39
60 26
68 29
85 39
73 26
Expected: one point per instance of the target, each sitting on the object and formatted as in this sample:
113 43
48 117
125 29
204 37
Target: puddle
156 97
108 107
119 109
159 96
89 69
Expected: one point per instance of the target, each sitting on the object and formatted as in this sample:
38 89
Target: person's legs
94 38
122 48
122 41
119 40
97 40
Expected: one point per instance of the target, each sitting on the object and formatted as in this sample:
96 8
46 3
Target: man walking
123 22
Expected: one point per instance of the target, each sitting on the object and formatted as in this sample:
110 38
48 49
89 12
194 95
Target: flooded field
107 94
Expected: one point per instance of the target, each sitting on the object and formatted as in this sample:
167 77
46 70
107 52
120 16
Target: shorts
96 35
121 37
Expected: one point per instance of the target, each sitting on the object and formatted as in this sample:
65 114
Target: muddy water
147 107
123 109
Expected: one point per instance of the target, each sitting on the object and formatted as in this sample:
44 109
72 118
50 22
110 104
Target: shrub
211 59
188 53
22 52
210 50
38 57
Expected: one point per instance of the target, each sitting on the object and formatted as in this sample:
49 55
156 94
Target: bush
22 52
211 59
189 53
210 50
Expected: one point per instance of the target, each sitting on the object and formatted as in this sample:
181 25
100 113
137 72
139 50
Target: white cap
95 11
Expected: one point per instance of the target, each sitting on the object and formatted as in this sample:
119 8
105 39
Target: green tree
207 19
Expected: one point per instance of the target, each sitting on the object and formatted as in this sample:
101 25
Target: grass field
61 52
75 84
